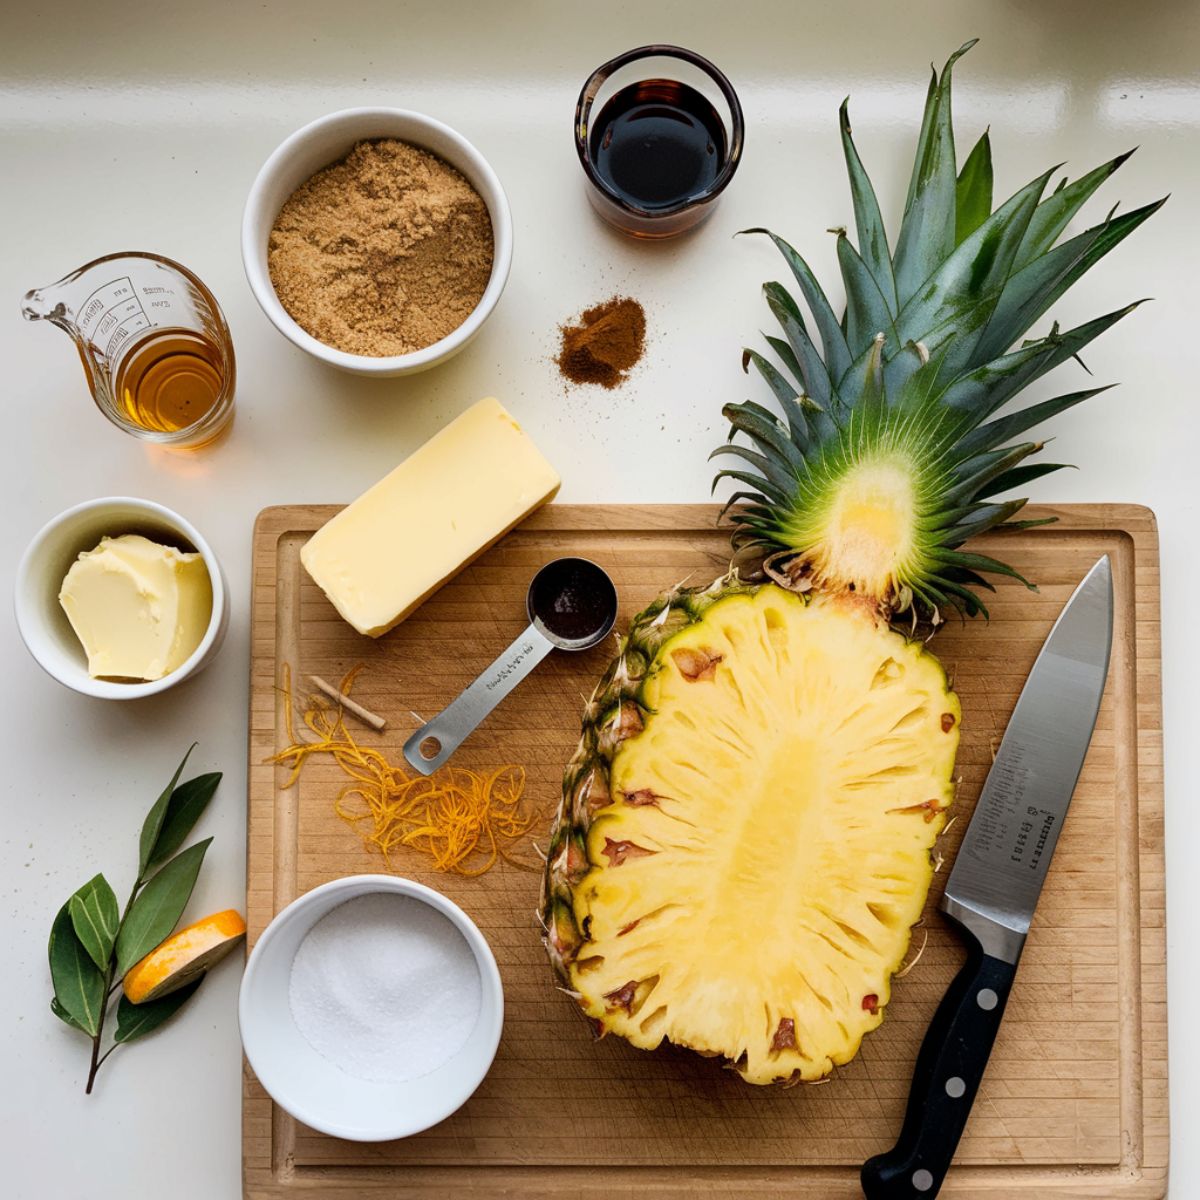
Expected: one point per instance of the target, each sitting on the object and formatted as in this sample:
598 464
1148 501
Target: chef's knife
994 887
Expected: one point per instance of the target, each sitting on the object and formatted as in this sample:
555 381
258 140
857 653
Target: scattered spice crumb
605 345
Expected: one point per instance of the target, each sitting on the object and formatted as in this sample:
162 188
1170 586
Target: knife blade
993 889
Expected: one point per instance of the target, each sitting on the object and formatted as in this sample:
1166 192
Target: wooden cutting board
1074 1103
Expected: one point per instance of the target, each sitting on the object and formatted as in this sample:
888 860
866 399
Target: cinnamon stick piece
355 709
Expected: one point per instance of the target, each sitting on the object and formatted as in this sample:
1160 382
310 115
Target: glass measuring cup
572 605
153 342
659 133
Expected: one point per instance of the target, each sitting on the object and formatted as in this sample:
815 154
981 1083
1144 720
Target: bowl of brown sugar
378 240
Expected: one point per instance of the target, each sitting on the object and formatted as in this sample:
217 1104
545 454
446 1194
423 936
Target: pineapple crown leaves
898 396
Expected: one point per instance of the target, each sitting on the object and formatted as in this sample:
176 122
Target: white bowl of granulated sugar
371 1008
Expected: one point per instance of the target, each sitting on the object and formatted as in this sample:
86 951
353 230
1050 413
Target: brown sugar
384 252
606 343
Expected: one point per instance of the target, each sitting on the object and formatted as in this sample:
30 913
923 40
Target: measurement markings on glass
112 315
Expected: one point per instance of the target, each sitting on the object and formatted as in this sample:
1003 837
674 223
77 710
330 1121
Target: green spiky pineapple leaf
893 445
973 193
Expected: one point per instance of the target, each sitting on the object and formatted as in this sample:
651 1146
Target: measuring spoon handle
458 720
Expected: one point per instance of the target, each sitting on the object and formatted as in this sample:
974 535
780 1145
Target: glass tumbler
660 89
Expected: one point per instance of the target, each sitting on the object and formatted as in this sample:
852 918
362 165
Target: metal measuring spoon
572 605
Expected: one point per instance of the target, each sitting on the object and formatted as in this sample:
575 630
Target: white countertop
140 126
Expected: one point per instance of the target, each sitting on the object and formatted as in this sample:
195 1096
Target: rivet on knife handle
949 1068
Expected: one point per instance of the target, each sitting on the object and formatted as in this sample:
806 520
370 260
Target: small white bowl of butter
100 558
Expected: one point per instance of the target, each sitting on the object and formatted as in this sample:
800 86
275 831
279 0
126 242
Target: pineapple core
866 530
766 849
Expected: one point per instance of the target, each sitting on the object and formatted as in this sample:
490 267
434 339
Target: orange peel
461 819
184 956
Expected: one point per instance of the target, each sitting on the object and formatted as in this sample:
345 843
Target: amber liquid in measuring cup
153 343
169 379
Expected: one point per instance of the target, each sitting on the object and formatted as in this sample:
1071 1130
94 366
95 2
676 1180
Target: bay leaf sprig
93 942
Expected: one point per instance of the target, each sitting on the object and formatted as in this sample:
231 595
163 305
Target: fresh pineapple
744 839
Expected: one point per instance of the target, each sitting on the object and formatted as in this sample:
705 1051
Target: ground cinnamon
383 253
606 343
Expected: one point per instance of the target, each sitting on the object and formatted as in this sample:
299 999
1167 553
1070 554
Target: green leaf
779 385
864 381
872 237
153 823
912 387
899 369
978 394
1033 289
984 518
61 1013
1000 430
927 231
1055 212
973 193
78 984
787 397
137 1020
867 312
781 481
975 473
978 562
833 340
793 409
975 272
187 804
963 598
96 918
813 371
760 425
159 906
954 339
1019 477
769 490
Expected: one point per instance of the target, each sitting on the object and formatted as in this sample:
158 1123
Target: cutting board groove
1074 1103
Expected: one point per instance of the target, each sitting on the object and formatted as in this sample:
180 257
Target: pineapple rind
688 985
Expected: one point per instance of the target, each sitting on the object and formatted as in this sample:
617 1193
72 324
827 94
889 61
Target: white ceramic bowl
44 626
328 139
312 1088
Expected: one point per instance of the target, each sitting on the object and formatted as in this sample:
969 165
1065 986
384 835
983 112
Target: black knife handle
946 1077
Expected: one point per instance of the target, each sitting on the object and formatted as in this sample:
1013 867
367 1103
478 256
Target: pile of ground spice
385 252
606 343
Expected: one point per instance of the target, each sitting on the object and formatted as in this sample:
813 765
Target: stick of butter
442 507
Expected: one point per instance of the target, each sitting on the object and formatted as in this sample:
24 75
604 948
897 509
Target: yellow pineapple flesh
764 851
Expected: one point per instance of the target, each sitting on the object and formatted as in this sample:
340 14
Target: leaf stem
110 986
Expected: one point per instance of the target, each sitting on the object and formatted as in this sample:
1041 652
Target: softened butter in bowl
45 624
138 607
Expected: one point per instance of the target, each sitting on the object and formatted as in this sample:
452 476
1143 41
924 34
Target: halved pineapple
766 848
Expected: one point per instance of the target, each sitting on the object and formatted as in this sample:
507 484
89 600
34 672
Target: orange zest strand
463 820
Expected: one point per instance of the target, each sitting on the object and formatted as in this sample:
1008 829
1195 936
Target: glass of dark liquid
659 132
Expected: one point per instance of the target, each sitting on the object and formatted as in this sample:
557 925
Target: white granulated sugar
386 988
